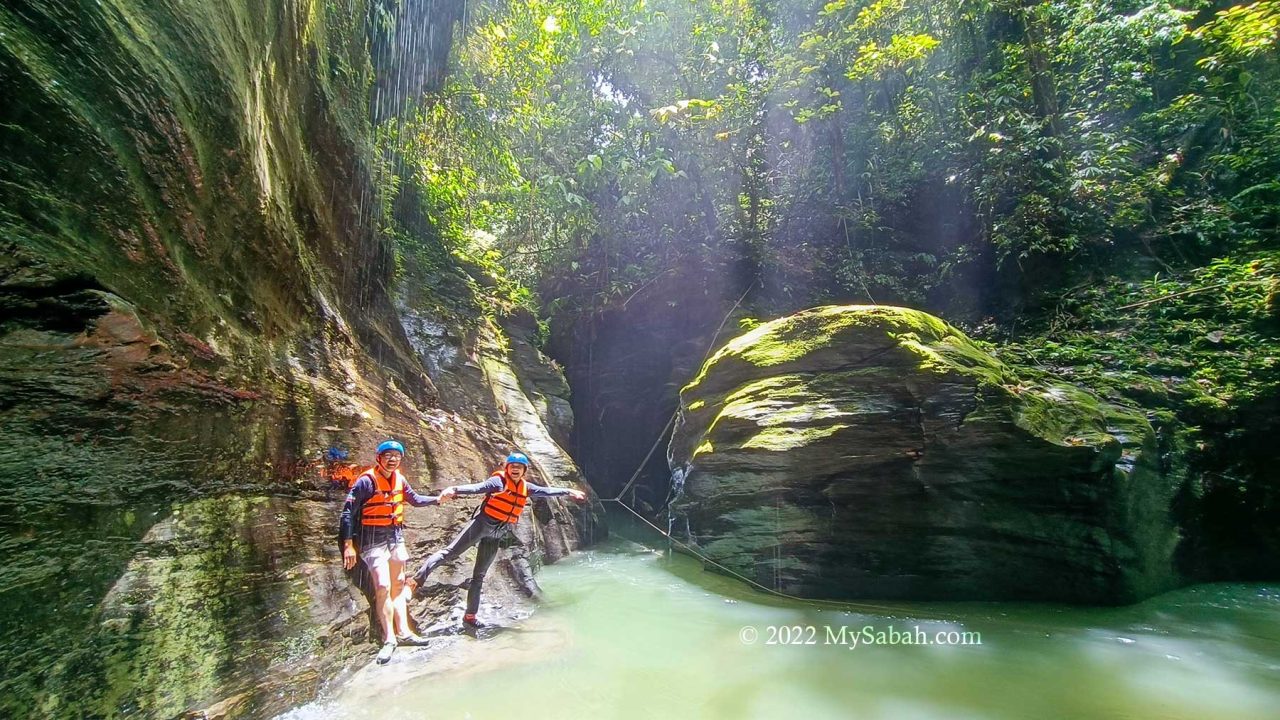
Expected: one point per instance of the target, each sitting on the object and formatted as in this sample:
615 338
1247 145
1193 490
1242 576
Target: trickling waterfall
410 47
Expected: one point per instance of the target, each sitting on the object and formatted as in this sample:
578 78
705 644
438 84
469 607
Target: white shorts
378 559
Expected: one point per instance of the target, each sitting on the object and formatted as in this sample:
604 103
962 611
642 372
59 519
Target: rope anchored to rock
839 604
694 551
671 420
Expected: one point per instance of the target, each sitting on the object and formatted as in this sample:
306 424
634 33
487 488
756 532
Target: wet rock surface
859 451
195 306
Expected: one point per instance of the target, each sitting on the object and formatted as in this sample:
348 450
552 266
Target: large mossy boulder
872 451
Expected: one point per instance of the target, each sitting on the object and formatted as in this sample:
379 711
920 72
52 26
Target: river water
627 632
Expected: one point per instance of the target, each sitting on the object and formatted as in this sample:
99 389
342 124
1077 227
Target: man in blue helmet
507 492
375 510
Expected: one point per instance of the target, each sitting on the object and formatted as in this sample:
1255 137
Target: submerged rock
861 451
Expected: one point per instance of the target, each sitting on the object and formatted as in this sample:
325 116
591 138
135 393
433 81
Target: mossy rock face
872 451
194 307
174 323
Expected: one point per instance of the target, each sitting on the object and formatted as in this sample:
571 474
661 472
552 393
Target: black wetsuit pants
483 530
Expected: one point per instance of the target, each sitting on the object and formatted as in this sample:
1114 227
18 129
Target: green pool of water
627 632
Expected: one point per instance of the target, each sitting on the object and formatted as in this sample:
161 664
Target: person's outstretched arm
492 485
550 492
417 500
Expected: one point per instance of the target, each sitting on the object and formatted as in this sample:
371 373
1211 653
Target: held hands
447 493
348 555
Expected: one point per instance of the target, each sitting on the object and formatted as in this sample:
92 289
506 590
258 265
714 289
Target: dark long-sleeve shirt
494 484
360 492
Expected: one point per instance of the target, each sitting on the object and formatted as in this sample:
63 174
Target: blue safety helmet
389 445
518 458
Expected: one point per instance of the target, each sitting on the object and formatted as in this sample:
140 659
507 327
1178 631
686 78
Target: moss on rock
194 306
923 466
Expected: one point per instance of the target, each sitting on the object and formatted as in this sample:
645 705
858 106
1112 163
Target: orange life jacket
386 506
506 504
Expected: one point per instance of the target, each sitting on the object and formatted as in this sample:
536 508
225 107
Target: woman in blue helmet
507 492
375 510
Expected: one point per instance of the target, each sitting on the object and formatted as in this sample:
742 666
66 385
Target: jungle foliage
898 151
1093 183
